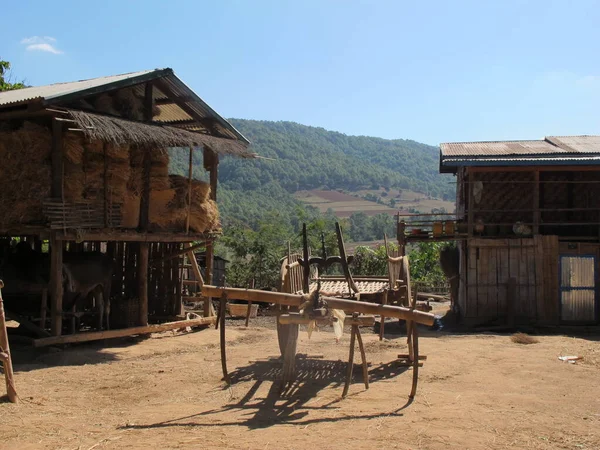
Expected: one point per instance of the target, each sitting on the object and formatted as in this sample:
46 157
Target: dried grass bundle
73 148
25 174
204 217
129 105
200 190
522 338
130 212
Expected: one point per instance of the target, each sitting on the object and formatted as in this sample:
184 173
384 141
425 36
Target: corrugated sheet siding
578 288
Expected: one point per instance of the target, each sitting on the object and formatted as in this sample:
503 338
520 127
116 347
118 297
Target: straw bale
200 190
74 181
25 175
73 148
204 217
130 211
129 105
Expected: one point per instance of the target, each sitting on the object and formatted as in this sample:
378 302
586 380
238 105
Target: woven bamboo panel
505 191
78 215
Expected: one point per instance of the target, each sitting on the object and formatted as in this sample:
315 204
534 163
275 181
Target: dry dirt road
475 391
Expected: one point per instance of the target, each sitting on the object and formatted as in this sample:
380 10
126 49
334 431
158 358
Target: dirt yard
475 391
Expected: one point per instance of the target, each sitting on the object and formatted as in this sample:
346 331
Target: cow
84 274
89 273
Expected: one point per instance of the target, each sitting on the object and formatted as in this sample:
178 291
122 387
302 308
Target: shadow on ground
288 403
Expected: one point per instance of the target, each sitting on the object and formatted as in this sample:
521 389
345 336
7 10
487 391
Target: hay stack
25 174
85 170
200 190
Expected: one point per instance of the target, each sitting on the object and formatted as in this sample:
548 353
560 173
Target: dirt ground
475 391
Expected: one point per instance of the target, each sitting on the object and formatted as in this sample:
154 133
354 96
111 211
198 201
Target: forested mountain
313 158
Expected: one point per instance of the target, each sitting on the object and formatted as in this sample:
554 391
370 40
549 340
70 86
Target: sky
431 71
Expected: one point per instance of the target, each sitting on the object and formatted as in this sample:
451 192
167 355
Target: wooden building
85 166
528 229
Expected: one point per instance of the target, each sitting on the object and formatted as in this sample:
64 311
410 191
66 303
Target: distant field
344 205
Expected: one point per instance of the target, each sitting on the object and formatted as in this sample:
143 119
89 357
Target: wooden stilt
143 283
350 362
5 354
248 313
56 285
382 317
44 309
223 302
363 357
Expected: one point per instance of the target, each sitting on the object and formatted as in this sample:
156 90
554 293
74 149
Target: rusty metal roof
186 109
553 150
576 144
499 148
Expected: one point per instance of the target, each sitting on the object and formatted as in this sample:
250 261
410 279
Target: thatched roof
121 131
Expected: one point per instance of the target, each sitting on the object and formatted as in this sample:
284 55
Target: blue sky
435 71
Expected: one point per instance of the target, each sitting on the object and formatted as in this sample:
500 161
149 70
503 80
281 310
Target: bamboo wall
533 263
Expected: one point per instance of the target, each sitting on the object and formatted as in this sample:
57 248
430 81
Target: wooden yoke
280 298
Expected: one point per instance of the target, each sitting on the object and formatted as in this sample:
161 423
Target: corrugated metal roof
499 148
51 91
553 150
62 93
576 144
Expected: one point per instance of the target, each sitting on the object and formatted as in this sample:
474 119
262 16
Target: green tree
5 84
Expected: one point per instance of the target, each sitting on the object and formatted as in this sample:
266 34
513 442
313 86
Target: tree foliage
5 78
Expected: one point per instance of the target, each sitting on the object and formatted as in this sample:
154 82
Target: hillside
307 158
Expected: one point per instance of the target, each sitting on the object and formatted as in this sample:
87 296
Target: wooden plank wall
533 263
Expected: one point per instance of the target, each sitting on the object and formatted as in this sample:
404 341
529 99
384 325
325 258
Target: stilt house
528 229
85 166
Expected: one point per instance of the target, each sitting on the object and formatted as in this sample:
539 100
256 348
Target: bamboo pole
96 335
281 298
5 354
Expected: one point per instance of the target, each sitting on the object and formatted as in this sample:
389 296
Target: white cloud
41 44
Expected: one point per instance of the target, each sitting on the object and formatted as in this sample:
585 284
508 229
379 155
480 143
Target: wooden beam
57 160
189 196
111 334
179 253
209 262
281 298
143 282
170 101
471 215
210 124
540 168
133 236
148 100
56 285
536 202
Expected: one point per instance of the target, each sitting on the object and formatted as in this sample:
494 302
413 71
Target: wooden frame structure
522 208
148 112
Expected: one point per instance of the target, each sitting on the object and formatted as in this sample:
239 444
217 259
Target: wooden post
209 262
471 214
105 148
223 303
511 294
57 160
5 354
189 199
536 202
56 285
44 309
143 283
211 162
350 362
